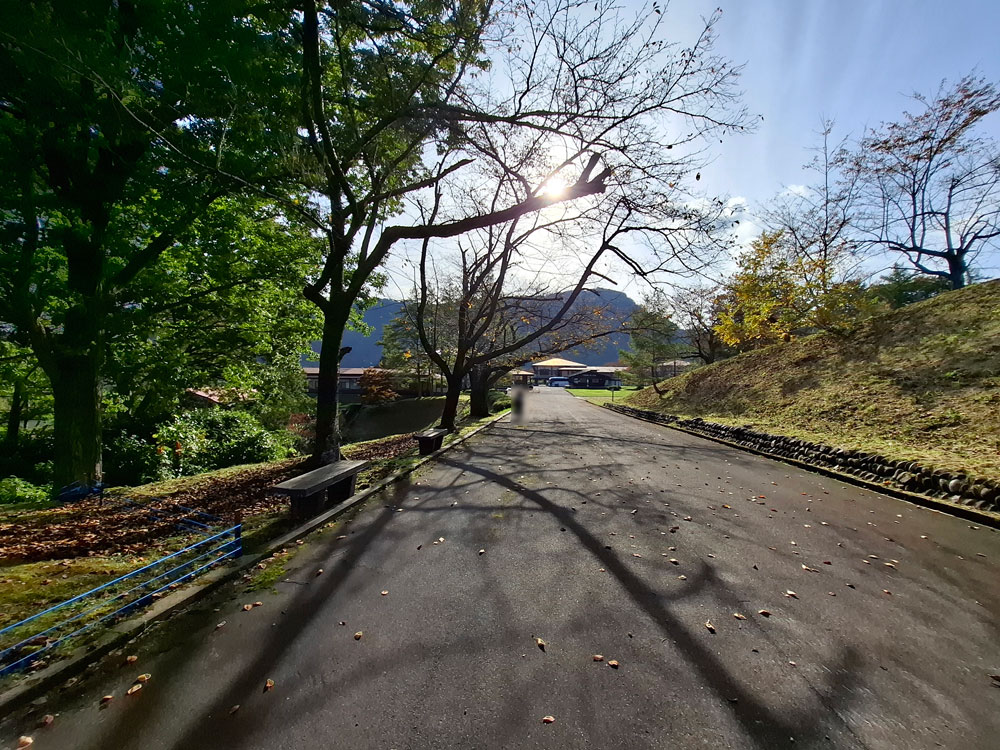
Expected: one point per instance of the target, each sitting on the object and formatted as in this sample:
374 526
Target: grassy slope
920 383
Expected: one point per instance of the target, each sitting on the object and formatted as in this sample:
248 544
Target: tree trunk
656 384
451 403
956 271
14 415
76 396
479 393
327 445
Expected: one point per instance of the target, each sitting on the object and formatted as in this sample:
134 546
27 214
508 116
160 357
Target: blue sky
855 61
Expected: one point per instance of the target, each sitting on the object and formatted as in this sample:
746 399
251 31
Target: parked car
558 382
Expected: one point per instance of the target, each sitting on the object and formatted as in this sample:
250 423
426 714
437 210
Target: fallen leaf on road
234 709
687 518
385 593
709 626
600 657
889 565
850 585
811 570
636 554
258 604
548 719
46 720
482 552
319 571
827 562
143 677
131 659
613 664
25 741
220 625
738 616
268 685
886 591
134 689
831 593
540 643
247 607
107 699
763 613
791 594
682 578
675 561
357 636
792 664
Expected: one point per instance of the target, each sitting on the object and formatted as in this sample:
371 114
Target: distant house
597 377
555 368
348 379
521 377
349 382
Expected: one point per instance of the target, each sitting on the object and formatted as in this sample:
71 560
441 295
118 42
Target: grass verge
920 384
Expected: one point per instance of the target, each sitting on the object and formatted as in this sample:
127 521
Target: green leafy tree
120 125
653 342
402 353
901 287
222 308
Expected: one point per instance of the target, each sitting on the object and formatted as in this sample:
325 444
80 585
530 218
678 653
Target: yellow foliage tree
776 292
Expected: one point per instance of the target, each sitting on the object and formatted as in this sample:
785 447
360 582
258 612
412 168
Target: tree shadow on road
762 725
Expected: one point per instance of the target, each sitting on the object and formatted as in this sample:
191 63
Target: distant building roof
557 362
601 370
520 372
350 372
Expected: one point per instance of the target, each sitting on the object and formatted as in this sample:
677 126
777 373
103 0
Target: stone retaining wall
983 494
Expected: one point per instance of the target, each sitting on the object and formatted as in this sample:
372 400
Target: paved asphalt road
581 513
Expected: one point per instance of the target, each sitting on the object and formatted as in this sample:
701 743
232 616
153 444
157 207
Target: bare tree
484 319
696 310
930 185
817 221
582 84
381 83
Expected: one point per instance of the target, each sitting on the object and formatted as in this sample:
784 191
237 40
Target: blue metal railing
195 559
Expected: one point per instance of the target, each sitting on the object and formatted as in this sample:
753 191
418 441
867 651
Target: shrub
207 439
31 459
17 490
129 459
376 386
499 401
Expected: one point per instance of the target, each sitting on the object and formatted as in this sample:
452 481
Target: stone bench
430 440
310 492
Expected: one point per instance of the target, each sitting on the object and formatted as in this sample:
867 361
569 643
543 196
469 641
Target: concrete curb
952 509
127 630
